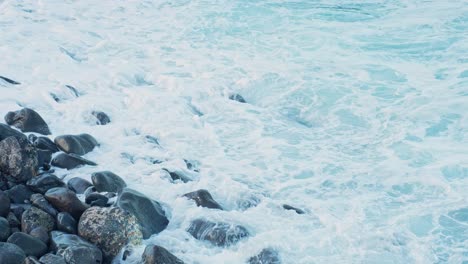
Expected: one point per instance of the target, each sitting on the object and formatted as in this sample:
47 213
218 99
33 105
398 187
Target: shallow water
356 113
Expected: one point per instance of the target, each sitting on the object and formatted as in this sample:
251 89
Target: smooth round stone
204 199
70 161
35 217
19 194
289 207
106 181
5 229
11 254
78 185
74 249
110 229
18 159
96 199
27 120
40 233
149 213
52 259
30 245
76 144
39 201
4 204
44 182
102 118
154 254
66 223
65 200
219 234
267 255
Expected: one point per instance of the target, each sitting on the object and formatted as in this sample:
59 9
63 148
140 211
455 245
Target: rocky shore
46 220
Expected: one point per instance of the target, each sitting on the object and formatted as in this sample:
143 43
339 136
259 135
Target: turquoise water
356 113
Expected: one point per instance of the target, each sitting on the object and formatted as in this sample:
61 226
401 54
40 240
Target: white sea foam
356 113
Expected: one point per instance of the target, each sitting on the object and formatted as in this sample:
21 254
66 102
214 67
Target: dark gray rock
13 220
52 259
6 131
8 80
5 229
18 159
27 120
30 245
154 254
44 182
175 176
237 97
18 209
106 181
74 249
70 161
65 200
102 118
44 158
39 201
31 260
149 213
19 194
44 143
110 229
78 185
289 207
266 256
204 199
35 217
66 223
11 254
40 233
4 204
89 191
76 144
96 199
219 234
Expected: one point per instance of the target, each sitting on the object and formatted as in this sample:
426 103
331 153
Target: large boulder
78 185
65 200
70 161
266 256
27 120
29 244
18 159
44 182
106 181
11 253
35 217
110 229
154 254
76 144
204 199
219 234
149 213
74 249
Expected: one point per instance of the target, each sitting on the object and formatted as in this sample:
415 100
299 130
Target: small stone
70 161
35 217
204 199
30 245
289 207
74 249
78 185
237 97
76 144
65 201
11 254
267 255
154 254
40 233
96 199
66 223
106 181
219 234
102 118
18 159
44 182
27 120
19 194
52 259
110 229
5 229
4 204
39 201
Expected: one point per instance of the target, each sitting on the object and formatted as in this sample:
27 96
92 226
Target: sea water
356 113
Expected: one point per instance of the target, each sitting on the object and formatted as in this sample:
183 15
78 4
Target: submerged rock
266 256
289 207
44 182
70 161
76 144
35 217
66 201
110 229
154 254
30 245
149 213
27 120
237 97
102 118
18 159
11 253
204 199
219 234
78 185
106 181
74 249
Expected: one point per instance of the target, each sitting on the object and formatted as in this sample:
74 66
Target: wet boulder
267 255
35 217
101 118
74 249
66 223
19 194
111 229
154 254
5 229
96 199
76 144
11 253
30 245
149 213
70 161
106 181
204 199
219 234
44 182
18 159
44 157
4 204
38 200
78 185
27 120
65 200
40 233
